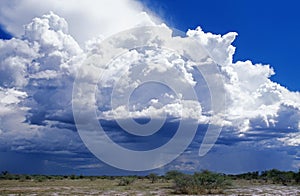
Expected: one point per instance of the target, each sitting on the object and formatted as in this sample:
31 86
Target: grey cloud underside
38 69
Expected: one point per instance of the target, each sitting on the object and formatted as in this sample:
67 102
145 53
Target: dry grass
83 187
138 187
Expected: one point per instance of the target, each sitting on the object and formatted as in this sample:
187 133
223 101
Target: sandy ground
266 190
110 187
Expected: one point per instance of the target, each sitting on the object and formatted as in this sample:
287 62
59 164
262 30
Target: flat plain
138 187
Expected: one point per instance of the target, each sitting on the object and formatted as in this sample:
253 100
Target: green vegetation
153 177
125 181
204 182
172 174
272 176
173 182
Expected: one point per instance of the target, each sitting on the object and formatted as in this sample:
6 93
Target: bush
210 180
40 178
171 175
27 177
279 177
153 177
202 182
124 181
297 177
92 178
185 184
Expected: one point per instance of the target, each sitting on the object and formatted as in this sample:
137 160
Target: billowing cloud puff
38 69
36 81
16 57
253 100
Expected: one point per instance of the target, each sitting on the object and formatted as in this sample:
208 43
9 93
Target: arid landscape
139 187
173 183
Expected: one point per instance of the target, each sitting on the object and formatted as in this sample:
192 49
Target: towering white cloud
254 101
36 83
37 71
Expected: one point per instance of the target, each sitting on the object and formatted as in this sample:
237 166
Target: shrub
185 184
153 177
124 181
27 177
40 178
171 175
201 182
92 178
297 177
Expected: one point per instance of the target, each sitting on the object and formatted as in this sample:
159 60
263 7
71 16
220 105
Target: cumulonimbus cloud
39 67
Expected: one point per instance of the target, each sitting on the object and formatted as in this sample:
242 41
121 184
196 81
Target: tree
297 177
172 174
5 175
153 177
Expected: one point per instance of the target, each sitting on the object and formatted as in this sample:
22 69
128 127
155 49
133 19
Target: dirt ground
139 187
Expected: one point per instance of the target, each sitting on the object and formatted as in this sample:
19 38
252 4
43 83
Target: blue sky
268 31
38 69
